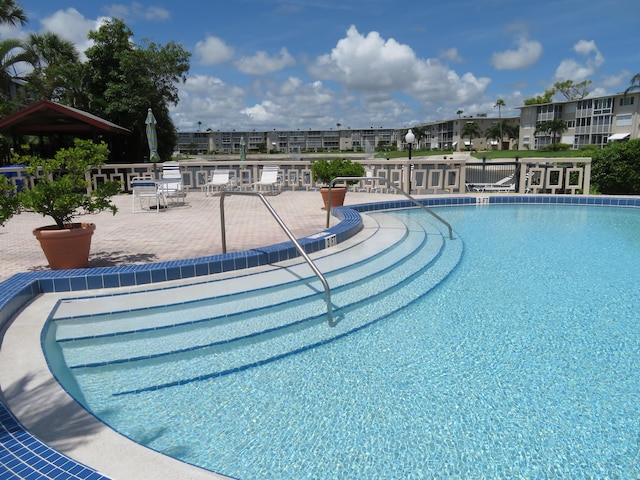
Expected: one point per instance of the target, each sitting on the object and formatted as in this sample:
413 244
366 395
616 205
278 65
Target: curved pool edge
19 290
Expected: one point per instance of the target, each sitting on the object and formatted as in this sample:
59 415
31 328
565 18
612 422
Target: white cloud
137 10
293 103
210 100
371 64
451 55
73 26
527 53
571 69
213 51
261 63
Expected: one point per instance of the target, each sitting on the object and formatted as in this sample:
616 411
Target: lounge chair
220 179
145 190
506 184
171 183
268 178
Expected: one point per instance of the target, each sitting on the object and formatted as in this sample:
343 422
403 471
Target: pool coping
21 450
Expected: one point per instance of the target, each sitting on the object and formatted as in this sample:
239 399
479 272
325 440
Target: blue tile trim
24 456
33 459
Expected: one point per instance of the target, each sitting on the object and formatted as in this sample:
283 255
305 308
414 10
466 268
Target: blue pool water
523 363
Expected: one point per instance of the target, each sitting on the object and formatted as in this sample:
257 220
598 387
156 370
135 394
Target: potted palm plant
60 191
325 171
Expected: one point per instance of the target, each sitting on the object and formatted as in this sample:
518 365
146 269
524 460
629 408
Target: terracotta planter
337 196
67 248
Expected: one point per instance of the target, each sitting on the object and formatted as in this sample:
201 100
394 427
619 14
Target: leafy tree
11 13
635 84
471 130
123 80
616 168
573 91
541 99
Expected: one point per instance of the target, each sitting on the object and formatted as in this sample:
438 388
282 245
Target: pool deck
185 231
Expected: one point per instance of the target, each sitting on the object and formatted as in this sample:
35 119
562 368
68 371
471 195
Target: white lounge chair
171 183
220 179
268 178
146 191
506 184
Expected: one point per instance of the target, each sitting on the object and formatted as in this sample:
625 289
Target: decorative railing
428 175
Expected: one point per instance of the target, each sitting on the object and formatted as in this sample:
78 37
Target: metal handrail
323 280
397 189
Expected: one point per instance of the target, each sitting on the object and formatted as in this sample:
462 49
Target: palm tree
52 59
459 112
553 128
494 132
500 103
635 84
471 130
11 13
512 132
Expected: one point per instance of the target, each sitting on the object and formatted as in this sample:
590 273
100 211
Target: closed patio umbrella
152 139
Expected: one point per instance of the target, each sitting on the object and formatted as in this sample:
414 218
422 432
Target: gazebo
55 125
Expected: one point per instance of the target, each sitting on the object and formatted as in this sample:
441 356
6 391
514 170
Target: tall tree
635 84
541 99
573 91
11 13
471 130
124 80
53 58
500 103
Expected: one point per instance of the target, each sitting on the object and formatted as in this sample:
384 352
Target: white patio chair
220 179
146 191
268 178
171 183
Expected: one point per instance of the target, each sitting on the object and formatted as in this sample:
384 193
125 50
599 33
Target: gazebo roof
47 117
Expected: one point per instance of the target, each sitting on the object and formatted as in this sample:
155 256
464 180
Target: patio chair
268 178
220 179
171 183
146 191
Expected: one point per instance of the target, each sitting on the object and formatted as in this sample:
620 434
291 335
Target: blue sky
264 64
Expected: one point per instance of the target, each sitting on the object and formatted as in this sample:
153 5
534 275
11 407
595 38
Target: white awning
494 142
467 143
618 136
455 144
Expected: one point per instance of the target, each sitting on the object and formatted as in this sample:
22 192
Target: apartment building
449 134
590 121
286 141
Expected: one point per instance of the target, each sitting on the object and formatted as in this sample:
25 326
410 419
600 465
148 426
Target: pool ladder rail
390 185
314 268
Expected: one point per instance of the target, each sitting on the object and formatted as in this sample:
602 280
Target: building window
571 124
623 120
602 105
624 101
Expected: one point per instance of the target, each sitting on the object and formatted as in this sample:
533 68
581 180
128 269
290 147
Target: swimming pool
522 363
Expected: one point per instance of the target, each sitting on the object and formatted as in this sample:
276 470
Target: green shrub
615 169
326 170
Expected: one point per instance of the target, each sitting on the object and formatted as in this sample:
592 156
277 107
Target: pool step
193 350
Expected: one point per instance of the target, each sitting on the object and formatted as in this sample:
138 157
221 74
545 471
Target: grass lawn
494 154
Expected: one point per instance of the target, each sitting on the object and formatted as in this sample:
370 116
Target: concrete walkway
184 231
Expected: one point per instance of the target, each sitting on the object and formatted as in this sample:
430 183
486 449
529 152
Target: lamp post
409 138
